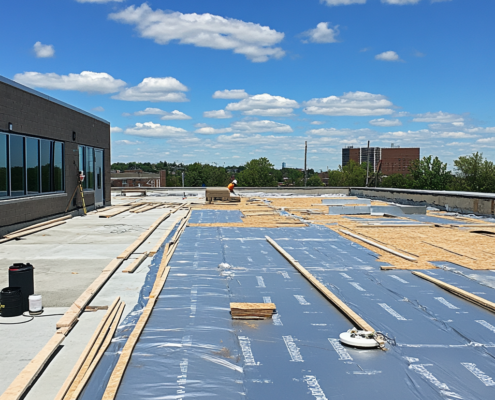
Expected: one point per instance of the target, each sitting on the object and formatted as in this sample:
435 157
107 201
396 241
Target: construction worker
232 185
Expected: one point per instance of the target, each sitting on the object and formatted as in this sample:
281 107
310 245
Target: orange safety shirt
231 187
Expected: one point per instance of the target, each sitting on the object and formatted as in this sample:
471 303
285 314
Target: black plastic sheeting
444 346
215 216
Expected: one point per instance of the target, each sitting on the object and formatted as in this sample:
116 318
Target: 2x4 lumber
28 228
479 301
27 232
372 243
344 308
101 351
395 225
23 381
131 268
164 237
92 351
147 208
145 235
114 212
125 355
82 358
85 298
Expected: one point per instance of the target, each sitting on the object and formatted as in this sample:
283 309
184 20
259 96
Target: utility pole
305 159
183 179
368 165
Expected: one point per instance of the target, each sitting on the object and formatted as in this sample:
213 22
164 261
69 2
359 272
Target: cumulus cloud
86 81
385 122
219 114
208 130
438 117
350 104
322 34
342 2
260 127
149 111
486 140
317 122
230 94
174 115
256 42
456 135
337 132
388 56
401 2
151 130
43 50
127 142
264 105
155 90
98 109
481 130
115 129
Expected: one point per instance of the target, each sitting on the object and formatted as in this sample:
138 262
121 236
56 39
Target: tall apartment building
394 160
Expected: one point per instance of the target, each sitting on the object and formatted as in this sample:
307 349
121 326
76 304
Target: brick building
394 160
43 144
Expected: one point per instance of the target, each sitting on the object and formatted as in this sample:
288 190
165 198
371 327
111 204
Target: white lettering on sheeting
398 279
314 387
276 320
293 349
267 299
341 351
486 324
391 311
479 374
446 303
357 286
246 351
302 301
261 282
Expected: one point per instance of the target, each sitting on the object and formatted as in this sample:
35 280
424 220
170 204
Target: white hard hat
234 181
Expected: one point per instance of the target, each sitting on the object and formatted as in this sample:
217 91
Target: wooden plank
147 208
121 366
131 268
85 298
31 231
395 226
344 308
114 212
40 224
164 237
21 384
372 243
81 384
479 301
77 366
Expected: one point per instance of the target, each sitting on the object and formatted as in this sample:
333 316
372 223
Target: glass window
4 176
17 171
58 166
82 165
33 165
46 170
90 168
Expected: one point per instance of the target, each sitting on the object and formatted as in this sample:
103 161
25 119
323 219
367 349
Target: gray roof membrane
215 216
444 346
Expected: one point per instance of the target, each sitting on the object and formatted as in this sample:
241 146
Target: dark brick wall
34 115
398 160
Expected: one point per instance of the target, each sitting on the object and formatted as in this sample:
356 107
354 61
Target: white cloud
342 2
401 2
385 122
127 142
456 135
86 81
481 130
150 111
439 1
322 34
350 104
98 109
99 1
337 132
264 105
155 90
486 140
271 112
200 125
174 115
317 122
151 130
219 114
256 42
208 130
438 117
260 127
230 94
388 56
43 50
115 129
457 144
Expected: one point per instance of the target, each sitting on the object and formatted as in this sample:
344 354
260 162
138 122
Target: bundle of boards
252 310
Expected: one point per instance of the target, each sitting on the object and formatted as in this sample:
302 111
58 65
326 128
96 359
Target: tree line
472 173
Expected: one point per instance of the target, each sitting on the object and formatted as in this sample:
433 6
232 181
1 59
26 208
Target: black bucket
11 301
22 276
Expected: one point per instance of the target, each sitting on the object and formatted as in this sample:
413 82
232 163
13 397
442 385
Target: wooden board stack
252 310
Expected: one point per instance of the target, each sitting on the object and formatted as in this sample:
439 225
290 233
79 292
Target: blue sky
226 81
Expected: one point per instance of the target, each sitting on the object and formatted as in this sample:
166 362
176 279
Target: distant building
284 165
393 160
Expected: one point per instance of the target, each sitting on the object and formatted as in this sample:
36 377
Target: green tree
257 173
353 174
474 173
429 174
314 180
398 181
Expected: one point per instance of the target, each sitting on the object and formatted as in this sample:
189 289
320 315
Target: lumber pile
252 310
35 228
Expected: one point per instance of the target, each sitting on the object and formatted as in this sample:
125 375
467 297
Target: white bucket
35 303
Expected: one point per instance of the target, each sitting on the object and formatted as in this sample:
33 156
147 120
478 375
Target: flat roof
49 98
